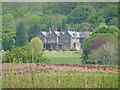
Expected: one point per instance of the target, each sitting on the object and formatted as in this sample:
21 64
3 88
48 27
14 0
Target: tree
114 22
8 31
113 29
95 41
57 21
36 44
79 14
59 8
110 12
30 20
105 55
103 28
34 31
21 35
95 20
83 27
63 27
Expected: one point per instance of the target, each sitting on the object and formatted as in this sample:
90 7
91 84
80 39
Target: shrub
106 55
94 42
73 49
24 55
64 49
50 49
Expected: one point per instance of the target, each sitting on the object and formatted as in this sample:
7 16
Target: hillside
36 17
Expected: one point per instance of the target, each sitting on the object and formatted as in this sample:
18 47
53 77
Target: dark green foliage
8 43
34 31
109 12
95 20
79 14
114 22
21 35
50 49
59 8
104 15
8 31
63 26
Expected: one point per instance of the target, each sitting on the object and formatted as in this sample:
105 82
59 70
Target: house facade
63 40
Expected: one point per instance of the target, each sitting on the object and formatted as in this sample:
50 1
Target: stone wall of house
66 41
42 37
76 43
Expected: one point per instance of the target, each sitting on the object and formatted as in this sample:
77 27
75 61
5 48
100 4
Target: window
74 44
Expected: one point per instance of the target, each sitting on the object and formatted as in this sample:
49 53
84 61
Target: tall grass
61 79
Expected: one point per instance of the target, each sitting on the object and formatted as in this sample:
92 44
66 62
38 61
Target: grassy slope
65 57
61 79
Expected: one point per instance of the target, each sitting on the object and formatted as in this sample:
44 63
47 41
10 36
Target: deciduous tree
36 44
8 31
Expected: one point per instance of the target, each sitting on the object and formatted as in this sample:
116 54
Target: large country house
63 40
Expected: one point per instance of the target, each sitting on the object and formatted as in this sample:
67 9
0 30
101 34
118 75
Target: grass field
61 79
64 57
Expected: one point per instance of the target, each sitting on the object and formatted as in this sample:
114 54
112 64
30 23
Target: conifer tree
21 35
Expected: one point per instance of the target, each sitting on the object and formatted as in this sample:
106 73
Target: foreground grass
61 79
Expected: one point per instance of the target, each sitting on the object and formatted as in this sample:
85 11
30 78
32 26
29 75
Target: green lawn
65 60
62 53
61 79
64 57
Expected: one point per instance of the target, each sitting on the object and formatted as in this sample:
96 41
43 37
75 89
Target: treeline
23 21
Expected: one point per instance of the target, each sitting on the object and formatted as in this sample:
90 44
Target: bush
105 55
64 49
73 49
43 50
94 42
50 49
24 55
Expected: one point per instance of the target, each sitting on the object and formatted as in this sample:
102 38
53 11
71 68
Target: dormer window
73 34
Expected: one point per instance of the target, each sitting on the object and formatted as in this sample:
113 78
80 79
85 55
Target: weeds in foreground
60 79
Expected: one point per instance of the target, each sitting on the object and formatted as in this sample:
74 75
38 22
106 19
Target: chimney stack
50 30
55 29
68 28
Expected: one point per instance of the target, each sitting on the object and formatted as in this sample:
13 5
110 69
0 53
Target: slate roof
44 33
57 33
84 34
79 34
71 33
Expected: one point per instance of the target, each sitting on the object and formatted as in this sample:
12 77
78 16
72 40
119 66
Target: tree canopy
36 44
